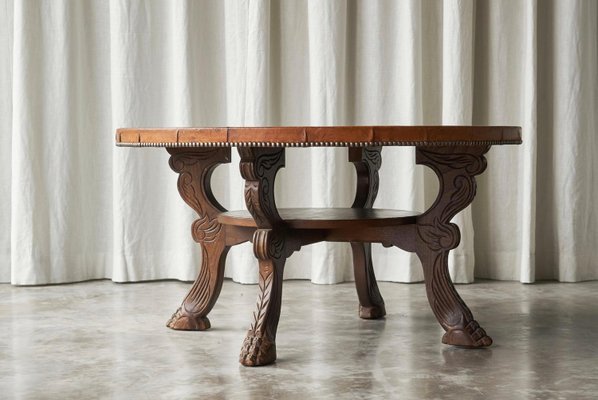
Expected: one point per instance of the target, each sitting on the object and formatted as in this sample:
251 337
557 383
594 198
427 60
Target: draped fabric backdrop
75 207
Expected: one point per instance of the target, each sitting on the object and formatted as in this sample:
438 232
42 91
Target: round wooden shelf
327 218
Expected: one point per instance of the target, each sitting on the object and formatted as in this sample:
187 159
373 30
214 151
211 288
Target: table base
430 235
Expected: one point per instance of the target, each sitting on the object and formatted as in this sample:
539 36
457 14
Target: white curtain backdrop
74 207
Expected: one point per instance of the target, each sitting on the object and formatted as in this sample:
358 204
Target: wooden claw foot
372 312
471 335
371 304
182 321
448 307
257 350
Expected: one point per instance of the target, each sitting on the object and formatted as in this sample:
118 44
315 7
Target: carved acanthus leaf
189 193
439 236
456 174
259 167
373 157
265 286
185 159
462 195
367 161
205 229
473 164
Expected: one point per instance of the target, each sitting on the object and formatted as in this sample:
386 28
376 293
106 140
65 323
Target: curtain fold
458 24
510 98
6 49
74 207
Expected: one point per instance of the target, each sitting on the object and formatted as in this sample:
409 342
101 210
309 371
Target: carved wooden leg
456 169
195 166
259 346
259 167
371 304
450 310
192 314
367 161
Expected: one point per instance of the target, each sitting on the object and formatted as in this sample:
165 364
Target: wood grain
326 218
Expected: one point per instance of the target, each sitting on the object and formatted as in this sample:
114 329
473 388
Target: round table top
309 136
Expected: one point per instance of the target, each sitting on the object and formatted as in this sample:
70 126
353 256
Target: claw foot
372 312
182 321
257 350
472 335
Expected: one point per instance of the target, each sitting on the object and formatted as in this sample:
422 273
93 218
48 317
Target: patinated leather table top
454 153
306 136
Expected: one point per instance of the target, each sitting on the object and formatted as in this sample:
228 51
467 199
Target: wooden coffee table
454 153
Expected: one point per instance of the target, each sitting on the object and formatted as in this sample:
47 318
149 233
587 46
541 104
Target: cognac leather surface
320 136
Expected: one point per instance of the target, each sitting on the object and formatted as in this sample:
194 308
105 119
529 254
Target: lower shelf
327 218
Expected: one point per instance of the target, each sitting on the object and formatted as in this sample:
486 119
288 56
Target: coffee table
454 153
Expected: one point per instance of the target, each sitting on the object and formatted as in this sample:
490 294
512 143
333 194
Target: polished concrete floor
106 340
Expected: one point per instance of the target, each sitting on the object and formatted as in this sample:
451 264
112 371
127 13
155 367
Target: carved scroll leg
192 314
367 162
456 168
259 346
258 167
195 166
450 310
371 304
